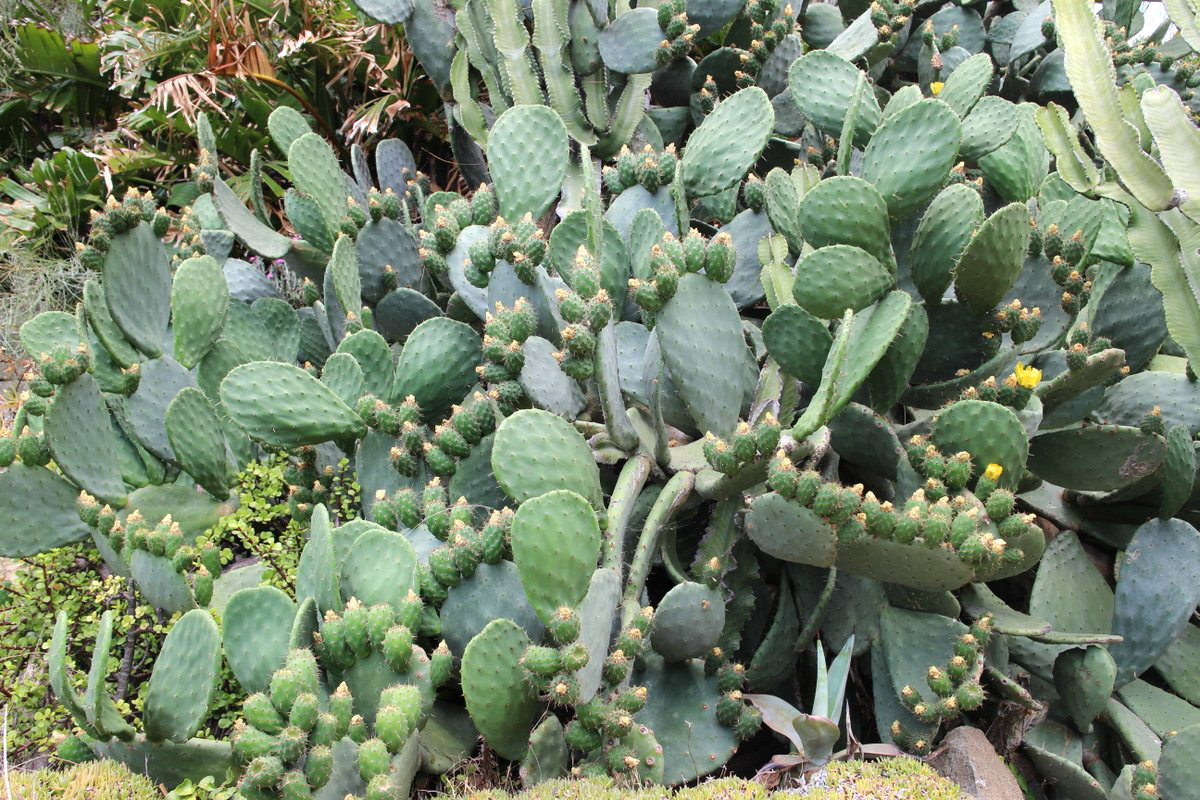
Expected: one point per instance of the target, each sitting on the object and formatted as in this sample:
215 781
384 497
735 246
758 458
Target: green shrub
262 526
67 579
74 579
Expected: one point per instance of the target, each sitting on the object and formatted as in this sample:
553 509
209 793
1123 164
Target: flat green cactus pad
82 440
688 621
990 432
316 172
501 702
1158 587
556 544
527 156
284 406
1177 766
167 762
913 642
101 322
681 710
437 366
380 567
993 258
911 154
493 592
184 678
137 285
536 452
968 82
798 341
790 531
548 757
198 439
248 228
257 625
942 235
700 332
1116 456
727 143
160 583
822 84
49 331
848 210
37 512
317 574
838 277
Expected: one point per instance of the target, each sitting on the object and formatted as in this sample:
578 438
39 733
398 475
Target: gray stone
968 758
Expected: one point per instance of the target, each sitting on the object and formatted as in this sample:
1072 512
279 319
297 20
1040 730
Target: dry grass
30 284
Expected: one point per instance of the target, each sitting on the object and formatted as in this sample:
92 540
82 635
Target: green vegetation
98 780
846 780
741 333
73 580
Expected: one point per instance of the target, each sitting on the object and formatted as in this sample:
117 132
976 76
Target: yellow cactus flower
993 472
936 87
1027 377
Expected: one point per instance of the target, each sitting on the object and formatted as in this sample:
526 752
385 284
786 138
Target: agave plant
813 736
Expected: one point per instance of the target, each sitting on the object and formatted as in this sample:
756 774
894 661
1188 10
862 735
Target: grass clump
891 779
95 780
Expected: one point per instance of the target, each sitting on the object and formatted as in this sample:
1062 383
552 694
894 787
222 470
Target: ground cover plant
816 354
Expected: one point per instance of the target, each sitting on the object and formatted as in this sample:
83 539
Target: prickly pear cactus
762 324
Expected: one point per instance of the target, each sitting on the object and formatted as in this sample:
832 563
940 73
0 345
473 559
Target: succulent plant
815 343
813 736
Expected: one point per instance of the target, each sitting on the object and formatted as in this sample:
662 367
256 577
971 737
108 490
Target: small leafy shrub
65 580
207 788
263 527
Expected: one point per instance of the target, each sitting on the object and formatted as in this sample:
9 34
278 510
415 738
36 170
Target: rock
968 758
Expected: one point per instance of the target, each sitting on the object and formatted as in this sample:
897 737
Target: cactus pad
284 406
380 567
184 678
798 341
198 440
681 710
82 440
990 432
536 452
257 625
437 366
137 285
493 592
556 543
688 621
1158 588
501 703
527 156
911 154
832 279
700 333
993 258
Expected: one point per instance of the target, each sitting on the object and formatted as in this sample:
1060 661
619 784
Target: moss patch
891 779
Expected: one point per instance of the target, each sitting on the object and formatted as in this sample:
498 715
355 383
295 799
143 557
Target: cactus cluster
753 324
